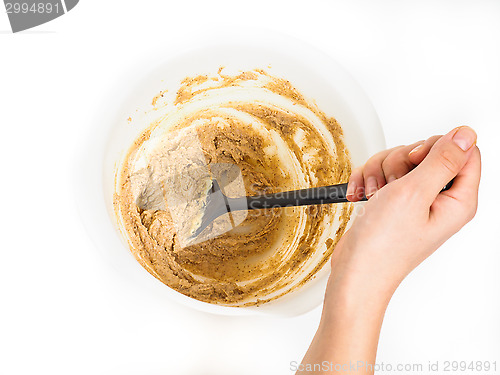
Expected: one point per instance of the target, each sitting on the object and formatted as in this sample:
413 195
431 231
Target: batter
281 142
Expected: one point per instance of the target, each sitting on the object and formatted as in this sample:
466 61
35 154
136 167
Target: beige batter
176 177
280 142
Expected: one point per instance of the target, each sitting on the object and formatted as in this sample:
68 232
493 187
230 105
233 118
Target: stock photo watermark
26 14
452 366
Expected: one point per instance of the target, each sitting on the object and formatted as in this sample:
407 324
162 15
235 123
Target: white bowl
312 72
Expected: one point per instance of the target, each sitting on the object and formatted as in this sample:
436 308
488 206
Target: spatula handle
318 195
303 197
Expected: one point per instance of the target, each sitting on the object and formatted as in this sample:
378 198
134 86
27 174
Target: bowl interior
313 73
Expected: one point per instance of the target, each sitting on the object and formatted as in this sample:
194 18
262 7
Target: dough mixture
280 141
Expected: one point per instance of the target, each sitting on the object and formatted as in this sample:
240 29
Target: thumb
445 159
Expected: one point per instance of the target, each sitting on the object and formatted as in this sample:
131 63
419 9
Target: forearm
347 337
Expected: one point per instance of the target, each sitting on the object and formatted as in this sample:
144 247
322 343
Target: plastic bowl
312 72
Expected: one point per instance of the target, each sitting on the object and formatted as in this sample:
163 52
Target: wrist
355 287
352 318
355 294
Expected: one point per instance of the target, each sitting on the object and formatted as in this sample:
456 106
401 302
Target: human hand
407 217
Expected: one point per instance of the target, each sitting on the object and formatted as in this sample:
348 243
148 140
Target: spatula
219 204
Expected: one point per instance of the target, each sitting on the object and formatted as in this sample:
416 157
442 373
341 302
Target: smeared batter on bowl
280 141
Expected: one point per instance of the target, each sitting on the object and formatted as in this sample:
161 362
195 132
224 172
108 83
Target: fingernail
416 149
371 186
351 188
391 178
465 138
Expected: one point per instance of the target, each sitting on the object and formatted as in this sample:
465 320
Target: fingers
466 184
389 165
444 161
367 178
373 173
382 168
398 162
355 188
464 190
420 152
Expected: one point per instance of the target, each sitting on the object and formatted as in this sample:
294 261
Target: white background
428 66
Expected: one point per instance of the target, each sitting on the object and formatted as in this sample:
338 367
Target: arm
406 219
346 340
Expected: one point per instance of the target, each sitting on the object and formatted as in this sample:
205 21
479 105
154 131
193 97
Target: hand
407 217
